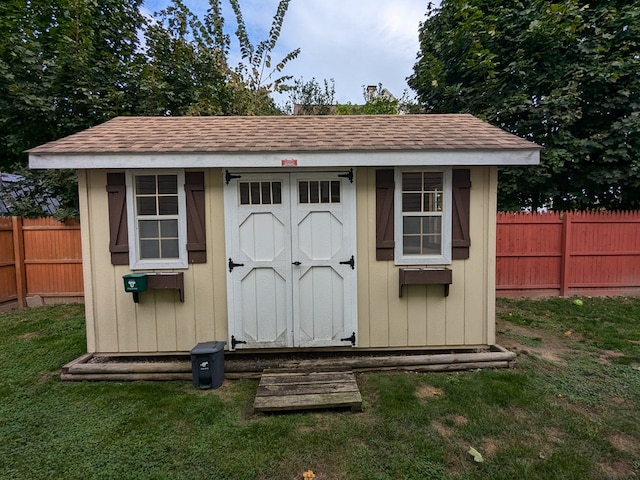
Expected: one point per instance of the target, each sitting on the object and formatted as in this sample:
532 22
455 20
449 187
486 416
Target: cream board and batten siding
161 323
423 317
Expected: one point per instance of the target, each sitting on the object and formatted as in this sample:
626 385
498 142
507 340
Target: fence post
18 255
565 254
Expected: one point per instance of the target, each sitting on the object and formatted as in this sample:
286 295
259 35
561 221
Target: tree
311 98
261 72
183 69
562 74
70 64
379 101
64 66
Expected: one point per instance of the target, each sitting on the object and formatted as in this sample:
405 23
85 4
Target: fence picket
568 253
39 257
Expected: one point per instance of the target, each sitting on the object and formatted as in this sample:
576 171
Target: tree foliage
563 74
70 64
379 101
311 98
64 66
261 74
36 195
183 70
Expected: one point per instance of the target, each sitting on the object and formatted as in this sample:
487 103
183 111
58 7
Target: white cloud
355 42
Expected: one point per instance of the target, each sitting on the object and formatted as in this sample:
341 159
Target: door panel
321 307
257 222
320 235
263 307
323 235
262 236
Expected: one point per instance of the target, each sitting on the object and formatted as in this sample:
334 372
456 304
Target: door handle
296 263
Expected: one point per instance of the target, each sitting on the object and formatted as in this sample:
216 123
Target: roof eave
467 157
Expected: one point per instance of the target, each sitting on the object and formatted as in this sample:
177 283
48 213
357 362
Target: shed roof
286 134
207 138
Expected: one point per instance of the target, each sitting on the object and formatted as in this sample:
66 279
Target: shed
290 232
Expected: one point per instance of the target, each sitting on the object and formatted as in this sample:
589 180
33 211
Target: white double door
291 271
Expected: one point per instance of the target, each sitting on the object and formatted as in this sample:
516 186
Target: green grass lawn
570 409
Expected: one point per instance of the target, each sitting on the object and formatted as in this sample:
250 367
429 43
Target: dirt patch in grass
588 411
554 435
45 377
31 335
427 391
489 447
442 429
459 419
617 470
606 356
447 428
539 342
625 443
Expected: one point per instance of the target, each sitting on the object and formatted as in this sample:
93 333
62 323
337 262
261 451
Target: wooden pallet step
289 391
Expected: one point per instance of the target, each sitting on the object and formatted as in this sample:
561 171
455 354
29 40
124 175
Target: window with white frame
422 216
156 217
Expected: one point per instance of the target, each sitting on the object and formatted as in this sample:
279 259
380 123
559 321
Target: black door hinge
348 175
235 342
228 176
233 265
351 262
351 339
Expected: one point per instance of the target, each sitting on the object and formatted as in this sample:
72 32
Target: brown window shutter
196 231
461 189
384 214
118 233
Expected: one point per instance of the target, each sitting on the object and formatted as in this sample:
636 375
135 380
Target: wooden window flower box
426 276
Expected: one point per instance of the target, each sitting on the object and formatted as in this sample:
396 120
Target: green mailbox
135 283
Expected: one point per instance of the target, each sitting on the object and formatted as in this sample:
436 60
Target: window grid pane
422 191
319 191
422 210
156 198
260 193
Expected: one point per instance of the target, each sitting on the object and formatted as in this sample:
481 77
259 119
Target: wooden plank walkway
281 391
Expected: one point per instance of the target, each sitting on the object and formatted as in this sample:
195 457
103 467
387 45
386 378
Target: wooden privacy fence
568 253
580 253
40 261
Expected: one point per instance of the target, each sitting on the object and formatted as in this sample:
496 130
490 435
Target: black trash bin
207 364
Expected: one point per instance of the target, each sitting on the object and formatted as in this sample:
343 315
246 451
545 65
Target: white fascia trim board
287 159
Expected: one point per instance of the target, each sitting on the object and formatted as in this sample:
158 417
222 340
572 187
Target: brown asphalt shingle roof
287 134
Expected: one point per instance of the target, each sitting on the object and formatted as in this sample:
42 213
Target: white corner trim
285 159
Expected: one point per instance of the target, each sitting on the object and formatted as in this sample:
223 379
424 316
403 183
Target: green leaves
560 74
259 73
71 64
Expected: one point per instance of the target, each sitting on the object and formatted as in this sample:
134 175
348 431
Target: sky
355 42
